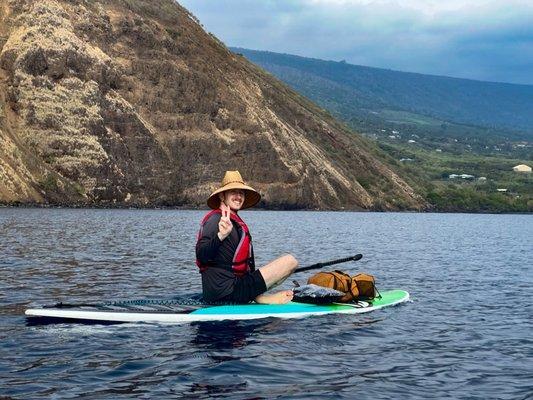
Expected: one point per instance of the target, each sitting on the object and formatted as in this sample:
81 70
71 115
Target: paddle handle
327 263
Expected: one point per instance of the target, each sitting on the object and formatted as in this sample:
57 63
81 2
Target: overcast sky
478 39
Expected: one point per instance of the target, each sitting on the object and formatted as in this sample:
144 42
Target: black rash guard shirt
218 280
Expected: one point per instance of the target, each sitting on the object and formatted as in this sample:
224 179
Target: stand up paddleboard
153 311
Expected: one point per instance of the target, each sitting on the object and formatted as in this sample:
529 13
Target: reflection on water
466 334
228 334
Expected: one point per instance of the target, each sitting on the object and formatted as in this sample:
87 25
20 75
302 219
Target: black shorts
247 288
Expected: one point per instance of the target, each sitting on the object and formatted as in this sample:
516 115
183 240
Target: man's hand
224 226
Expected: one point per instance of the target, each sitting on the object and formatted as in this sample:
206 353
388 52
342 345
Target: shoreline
204 208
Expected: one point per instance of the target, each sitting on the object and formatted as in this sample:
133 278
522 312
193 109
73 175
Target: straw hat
233 180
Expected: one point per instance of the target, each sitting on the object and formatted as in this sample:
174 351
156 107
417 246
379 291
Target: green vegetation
49 183
430 171
79 189
452 198
428 127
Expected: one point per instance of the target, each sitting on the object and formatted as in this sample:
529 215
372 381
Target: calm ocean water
466 334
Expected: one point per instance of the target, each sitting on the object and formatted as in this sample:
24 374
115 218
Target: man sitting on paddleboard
224 250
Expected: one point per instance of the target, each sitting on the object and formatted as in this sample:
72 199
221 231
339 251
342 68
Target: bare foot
281 297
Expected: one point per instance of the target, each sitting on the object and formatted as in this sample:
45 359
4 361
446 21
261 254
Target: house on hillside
462 176
522 168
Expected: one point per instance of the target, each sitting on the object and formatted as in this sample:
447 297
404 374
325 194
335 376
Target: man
224 251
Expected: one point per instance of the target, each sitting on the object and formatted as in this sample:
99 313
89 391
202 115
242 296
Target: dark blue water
466 334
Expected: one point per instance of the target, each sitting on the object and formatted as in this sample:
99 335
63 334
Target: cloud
479 39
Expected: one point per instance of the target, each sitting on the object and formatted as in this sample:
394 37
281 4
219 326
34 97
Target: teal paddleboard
223 312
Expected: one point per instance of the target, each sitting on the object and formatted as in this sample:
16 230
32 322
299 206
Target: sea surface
466 334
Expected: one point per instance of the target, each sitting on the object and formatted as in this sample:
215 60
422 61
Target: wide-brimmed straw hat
233 180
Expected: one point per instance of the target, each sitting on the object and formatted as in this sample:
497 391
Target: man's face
233 198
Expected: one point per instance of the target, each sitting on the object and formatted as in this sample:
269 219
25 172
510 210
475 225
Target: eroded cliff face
132 102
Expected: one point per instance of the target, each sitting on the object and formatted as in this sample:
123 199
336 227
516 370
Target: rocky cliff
131 102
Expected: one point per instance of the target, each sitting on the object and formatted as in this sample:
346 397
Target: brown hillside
132 102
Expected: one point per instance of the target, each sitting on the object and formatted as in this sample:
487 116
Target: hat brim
251 196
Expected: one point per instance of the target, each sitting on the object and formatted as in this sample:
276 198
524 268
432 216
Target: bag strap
342 273
345 275
335 280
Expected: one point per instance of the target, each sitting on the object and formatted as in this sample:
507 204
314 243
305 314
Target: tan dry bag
358 287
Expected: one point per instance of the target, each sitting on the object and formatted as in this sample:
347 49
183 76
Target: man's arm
209 243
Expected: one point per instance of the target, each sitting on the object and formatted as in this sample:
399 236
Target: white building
522 168
466 176
462 176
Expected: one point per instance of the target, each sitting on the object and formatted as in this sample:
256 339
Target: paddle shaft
327 263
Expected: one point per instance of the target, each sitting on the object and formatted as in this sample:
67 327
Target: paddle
327 263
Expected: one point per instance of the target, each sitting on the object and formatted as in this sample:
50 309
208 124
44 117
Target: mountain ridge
237 49
453 99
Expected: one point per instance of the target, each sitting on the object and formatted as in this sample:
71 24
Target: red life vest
241 260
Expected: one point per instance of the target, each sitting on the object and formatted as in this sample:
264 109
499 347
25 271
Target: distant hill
356 92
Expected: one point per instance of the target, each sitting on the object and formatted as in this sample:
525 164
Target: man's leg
273 274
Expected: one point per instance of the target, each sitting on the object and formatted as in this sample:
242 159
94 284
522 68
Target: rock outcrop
131 102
